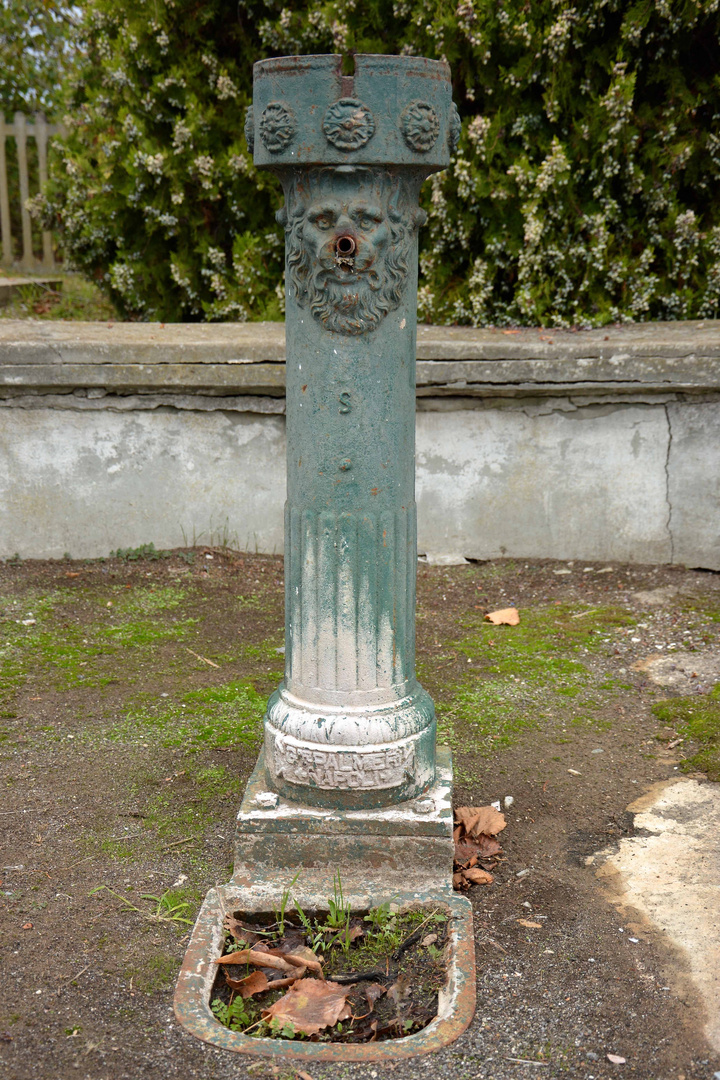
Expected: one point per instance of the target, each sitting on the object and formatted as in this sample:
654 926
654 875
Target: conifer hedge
585 190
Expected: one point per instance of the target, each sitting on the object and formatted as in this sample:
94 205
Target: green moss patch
216 716
71 635
526 674
696 719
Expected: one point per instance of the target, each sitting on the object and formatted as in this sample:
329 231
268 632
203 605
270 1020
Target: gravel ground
103 788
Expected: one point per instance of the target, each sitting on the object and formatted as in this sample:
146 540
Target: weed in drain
234 1015
339 913
284 901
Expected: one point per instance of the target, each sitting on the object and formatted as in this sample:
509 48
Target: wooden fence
22 129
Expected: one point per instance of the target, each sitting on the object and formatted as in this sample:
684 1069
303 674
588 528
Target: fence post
41 140
28 259
5 236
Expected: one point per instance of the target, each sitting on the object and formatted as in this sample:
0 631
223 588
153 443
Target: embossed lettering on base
387 767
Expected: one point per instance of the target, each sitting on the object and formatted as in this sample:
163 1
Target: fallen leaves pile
312 1003
477 850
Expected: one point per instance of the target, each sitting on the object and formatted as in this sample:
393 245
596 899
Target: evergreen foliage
34 53
586 187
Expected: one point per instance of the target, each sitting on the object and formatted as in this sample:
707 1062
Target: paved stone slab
672 876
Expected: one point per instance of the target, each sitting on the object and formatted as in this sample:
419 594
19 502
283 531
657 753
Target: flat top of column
395 110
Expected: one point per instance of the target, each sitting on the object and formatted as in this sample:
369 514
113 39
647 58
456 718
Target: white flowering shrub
585 189
154 193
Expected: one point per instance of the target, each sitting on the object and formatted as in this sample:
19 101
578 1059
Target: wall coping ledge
237 359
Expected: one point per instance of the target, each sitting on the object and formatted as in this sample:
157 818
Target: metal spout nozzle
345 247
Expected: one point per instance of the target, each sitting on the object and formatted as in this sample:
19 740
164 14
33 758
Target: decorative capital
395 110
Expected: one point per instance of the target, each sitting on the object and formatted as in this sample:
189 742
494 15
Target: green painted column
350 726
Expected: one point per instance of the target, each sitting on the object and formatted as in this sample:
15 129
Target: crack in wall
668 500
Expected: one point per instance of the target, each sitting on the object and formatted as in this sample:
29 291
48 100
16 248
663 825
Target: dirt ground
131 700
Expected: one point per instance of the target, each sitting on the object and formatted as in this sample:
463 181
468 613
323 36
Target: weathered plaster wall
556 482
597 446
92 481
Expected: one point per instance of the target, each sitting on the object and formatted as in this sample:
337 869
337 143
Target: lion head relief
349 234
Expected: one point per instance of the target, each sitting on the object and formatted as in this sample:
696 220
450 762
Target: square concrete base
389 847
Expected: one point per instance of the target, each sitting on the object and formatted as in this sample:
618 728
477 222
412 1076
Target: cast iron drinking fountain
350 780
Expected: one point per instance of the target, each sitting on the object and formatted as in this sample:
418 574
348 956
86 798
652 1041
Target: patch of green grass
708 611
157 973
144 552
144 632
537 647
188 898
77 299
265 599
529 674
216 716
149 600
72 650
24 643
198 804
698 720
266 651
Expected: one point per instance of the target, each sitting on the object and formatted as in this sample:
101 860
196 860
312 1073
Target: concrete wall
596 446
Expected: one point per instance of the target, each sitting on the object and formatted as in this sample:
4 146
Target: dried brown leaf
505 617
530 925
459 882
282 984
240 932
429 939
311 1005
254 983
487 846
466 853
234 927
374 991
258 957
476 820
400 989
302 956
476 876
